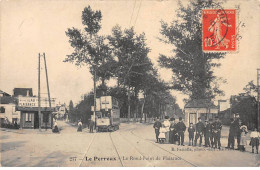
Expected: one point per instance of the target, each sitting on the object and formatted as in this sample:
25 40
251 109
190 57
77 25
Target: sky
28 28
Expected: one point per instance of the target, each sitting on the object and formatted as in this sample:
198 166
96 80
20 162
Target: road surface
132 145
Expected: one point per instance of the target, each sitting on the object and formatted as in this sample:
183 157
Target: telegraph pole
258 92
47 87
95 96
39 91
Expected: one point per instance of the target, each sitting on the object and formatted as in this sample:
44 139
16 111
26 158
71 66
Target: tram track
190 163
95 134
121 162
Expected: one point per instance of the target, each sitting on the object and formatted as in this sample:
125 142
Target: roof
4 93
22 92
200 103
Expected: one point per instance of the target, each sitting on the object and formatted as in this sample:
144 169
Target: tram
108 114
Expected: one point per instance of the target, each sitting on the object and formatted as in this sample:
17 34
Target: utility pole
47 89
39 91
258 92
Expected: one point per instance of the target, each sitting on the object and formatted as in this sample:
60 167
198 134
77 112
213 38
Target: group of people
171 132
91 126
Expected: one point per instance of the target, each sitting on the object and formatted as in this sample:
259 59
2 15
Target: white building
8 113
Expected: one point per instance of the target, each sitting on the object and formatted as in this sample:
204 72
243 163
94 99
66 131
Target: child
191 131
254 140
162 137
244 131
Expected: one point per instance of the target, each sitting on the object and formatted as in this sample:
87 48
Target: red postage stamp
219 30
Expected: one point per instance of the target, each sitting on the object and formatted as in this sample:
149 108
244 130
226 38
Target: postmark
219 30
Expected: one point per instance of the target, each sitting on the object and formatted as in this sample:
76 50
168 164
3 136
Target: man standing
181 129
172 127
91 126
237 124
157 125
216 129
199 131
207 133
231 135
211 134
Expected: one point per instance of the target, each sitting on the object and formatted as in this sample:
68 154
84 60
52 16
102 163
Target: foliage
192 68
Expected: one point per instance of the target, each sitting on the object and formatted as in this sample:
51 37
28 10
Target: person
172 127
162 135
211 134
199 131
237 124
254 136
55 129
181 129
79 126
91 126
191 131
167 125
216 130
231 135
157 125
207 133
243 142
15 125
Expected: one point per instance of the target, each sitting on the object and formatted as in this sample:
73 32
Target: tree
251 88
131 56
90 48
71 110
192 68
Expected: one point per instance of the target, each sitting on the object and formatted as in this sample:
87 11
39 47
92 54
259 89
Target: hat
180 118
166 117
206 120
216 117
199 118
172 119
210 119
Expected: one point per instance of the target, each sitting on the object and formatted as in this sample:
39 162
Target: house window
28 117
2 109
193 118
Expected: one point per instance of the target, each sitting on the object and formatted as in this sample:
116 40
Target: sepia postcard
129 83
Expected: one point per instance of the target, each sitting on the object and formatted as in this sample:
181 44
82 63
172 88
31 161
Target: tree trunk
142 109
129 102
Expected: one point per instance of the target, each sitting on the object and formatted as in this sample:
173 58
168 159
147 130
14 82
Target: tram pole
39 91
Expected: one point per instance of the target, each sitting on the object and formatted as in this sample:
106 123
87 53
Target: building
61 111
203 108
29 112
4 94
8 112
22 92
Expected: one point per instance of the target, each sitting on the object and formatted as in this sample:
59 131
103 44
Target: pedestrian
55 127
167 125
207 133
162 135
157 125
254 140
79 126
216 130
91 126
199 131
191 131
181 129
211 134
231 135
15 125
172 127
237 125
243 142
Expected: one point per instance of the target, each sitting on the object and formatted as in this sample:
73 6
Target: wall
10 112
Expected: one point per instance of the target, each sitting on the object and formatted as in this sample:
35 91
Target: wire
138 12
132 14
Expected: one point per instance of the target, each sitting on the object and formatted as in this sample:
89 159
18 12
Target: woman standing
243 142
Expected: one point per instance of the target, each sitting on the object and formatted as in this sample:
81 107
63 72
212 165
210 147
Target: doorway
36 120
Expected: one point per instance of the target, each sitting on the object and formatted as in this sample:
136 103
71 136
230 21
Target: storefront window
28 117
